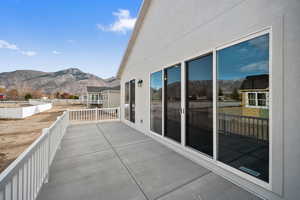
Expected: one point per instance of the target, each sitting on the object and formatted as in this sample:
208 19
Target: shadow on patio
112 161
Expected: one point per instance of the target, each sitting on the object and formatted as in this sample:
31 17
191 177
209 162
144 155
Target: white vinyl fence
23 112
14 102
103 114
25 176
59 101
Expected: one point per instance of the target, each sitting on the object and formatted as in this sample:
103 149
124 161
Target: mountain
71 80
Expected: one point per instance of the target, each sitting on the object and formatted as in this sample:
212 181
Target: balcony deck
112 161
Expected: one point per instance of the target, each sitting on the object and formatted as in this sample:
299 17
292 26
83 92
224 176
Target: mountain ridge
70 80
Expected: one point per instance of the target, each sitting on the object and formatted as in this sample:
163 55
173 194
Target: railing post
45 131
96 114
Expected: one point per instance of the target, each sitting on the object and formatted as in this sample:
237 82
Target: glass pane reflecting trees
130 100
242 106
127 100
156 102
199 104
172 106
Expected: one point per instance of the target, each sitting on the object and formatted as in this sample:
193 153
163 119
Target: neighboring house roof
144 8
93 89
256 82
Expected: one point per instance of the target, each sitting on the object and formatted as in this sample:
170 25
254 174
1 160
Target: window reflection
156 102
132 100
127 100
199 104
173 103
243 106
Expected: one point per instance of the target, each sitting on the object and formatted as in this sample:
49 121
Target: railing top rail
240 116
76 110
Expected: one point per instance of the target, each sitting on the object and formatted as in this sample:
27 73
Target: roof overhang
135 32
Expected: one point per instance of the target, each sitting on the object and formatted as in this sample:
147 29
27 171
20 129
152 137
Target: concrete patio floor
111 161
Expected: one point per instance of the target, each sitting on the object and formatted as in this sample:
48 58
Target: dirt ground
17 135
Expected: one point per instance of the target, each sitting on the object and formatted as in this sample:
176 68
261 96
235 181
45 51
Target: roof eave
136 30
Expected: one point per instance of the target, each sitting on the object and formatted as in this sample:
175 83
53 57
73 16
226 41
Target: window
172 104
130 101
257 99
242 106
226 109
126 101
252 99
156 102
199 104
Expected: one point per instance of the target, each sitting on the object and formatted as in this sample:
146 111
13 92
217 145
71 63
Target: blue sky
244 59
51 35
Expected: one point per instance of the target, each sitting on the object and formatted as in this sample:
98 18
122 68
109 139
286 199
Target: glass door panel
172 92
199 104
132 100
243 108
127 100
156 102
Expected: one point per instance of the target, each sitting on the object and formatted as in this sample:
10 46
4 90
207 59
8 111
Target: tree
65 95
28 96
220 92
73 97
235 94
13 94
37 94
2 90
57 95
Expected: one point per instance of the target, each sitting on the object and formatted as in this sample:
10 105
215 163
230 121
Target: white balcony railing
95 101
103 114
25 176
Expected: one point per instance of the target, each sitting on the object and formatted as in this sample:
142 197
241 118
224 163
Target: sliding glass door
227 105
129 106
127 101
199 104
132 100
172 114
156 84
243 106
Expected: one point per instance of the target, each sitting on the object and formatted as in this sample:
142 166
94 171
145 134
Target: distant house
103 97
255 95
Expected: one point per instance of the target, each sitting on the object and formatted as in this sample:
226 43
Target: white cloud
123 23
56 52
261 66
71 41
6 45
28 53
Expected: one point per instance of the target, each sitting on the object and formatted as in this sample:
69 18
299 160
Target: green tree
235 94
221 92
28 96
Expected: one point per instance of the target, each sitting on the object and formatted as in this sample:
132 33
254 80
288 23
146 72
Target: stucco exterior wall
112 99
174 31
